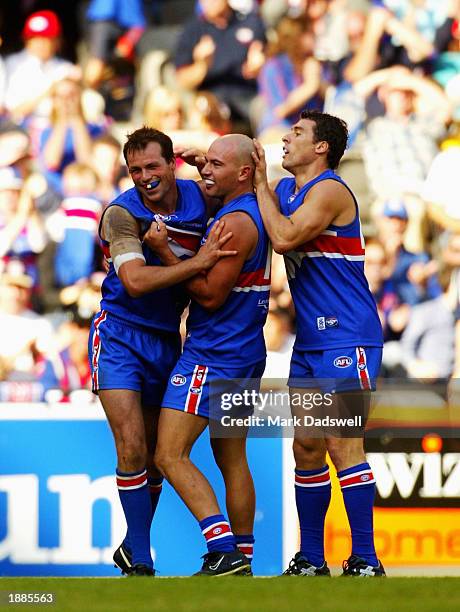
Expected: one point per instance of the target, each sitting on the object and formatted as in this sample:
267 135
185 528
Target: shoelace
292 567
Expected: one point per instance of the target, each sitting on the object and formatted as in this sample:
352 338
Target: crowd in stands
76 77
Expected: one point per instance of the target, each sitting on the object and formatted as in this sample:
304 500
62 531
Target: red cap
42 23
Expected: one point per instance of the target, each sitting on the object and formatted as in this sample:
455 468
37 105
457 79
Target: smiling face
229 167
153 176
300 148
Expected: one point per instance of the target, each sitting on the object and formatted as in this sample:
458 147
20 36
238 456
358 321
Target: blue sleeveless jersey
232 335
334 306
159 309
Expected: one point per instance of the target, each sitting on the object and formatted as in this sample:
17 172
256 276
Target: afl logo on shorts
178 380
343 362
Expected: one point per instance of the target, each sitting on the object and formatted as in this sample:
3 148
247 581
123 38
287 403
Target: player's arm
212 288
121 230
320 207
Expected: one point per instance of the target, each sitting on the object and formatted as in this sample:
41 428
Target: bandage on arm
121 231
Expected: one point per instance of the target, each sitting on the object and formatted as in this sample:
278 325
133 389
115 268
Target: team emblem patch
217 531
178 380
365 477
343 362
195 390
332 322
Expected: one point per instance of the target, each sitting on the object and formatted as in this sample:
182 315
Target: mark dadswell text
294 421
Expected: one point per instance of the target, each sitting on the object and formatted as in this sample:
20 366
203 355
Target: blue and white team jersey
160 309
334 306
232 335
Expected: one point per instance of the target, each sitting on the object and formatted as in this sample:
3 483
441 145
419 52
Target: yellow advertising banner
403 536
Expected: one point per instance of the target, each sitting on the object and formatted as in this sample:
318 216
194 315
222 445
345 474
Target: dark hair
332 130
140 139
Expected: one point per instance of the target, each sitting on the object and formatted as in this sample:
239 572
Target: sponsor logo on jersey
178 380
321 323
332 322
263 304
343 361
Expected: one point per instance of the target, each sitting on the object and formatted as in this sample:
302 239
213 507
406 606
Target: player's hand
260 174
193 157
211 251
156 237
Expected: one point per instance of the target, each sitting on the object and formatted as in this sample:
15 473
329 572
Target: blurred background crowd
76 76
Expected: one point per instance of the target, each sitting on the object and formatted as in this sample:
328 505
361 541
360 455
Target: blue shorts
125 356
341 369
198 388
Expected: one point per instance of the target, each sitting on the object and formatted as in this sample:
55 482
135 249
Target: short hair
141 138
332 130
108 140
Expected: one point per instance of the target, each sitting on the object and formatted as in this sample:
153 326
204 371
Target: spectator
431 326
207 114
393 315
291 78
403 32
400 145
222 52
26 337
413 275
80 213
105 162
22 234
15 152
31 73
69 137
115 27
440 190
163 110
69 369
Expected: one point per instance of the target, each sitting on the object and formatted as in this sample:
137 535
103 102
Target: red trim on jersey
333 244
187 241
106 250
193 399
248 279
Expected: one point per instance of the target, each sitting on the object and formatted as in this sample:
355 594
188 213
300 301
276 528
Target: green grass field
235 594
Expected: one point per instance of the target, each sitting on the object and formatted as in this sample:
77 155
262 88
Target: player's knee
165 460
131 450
345 452
309 452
